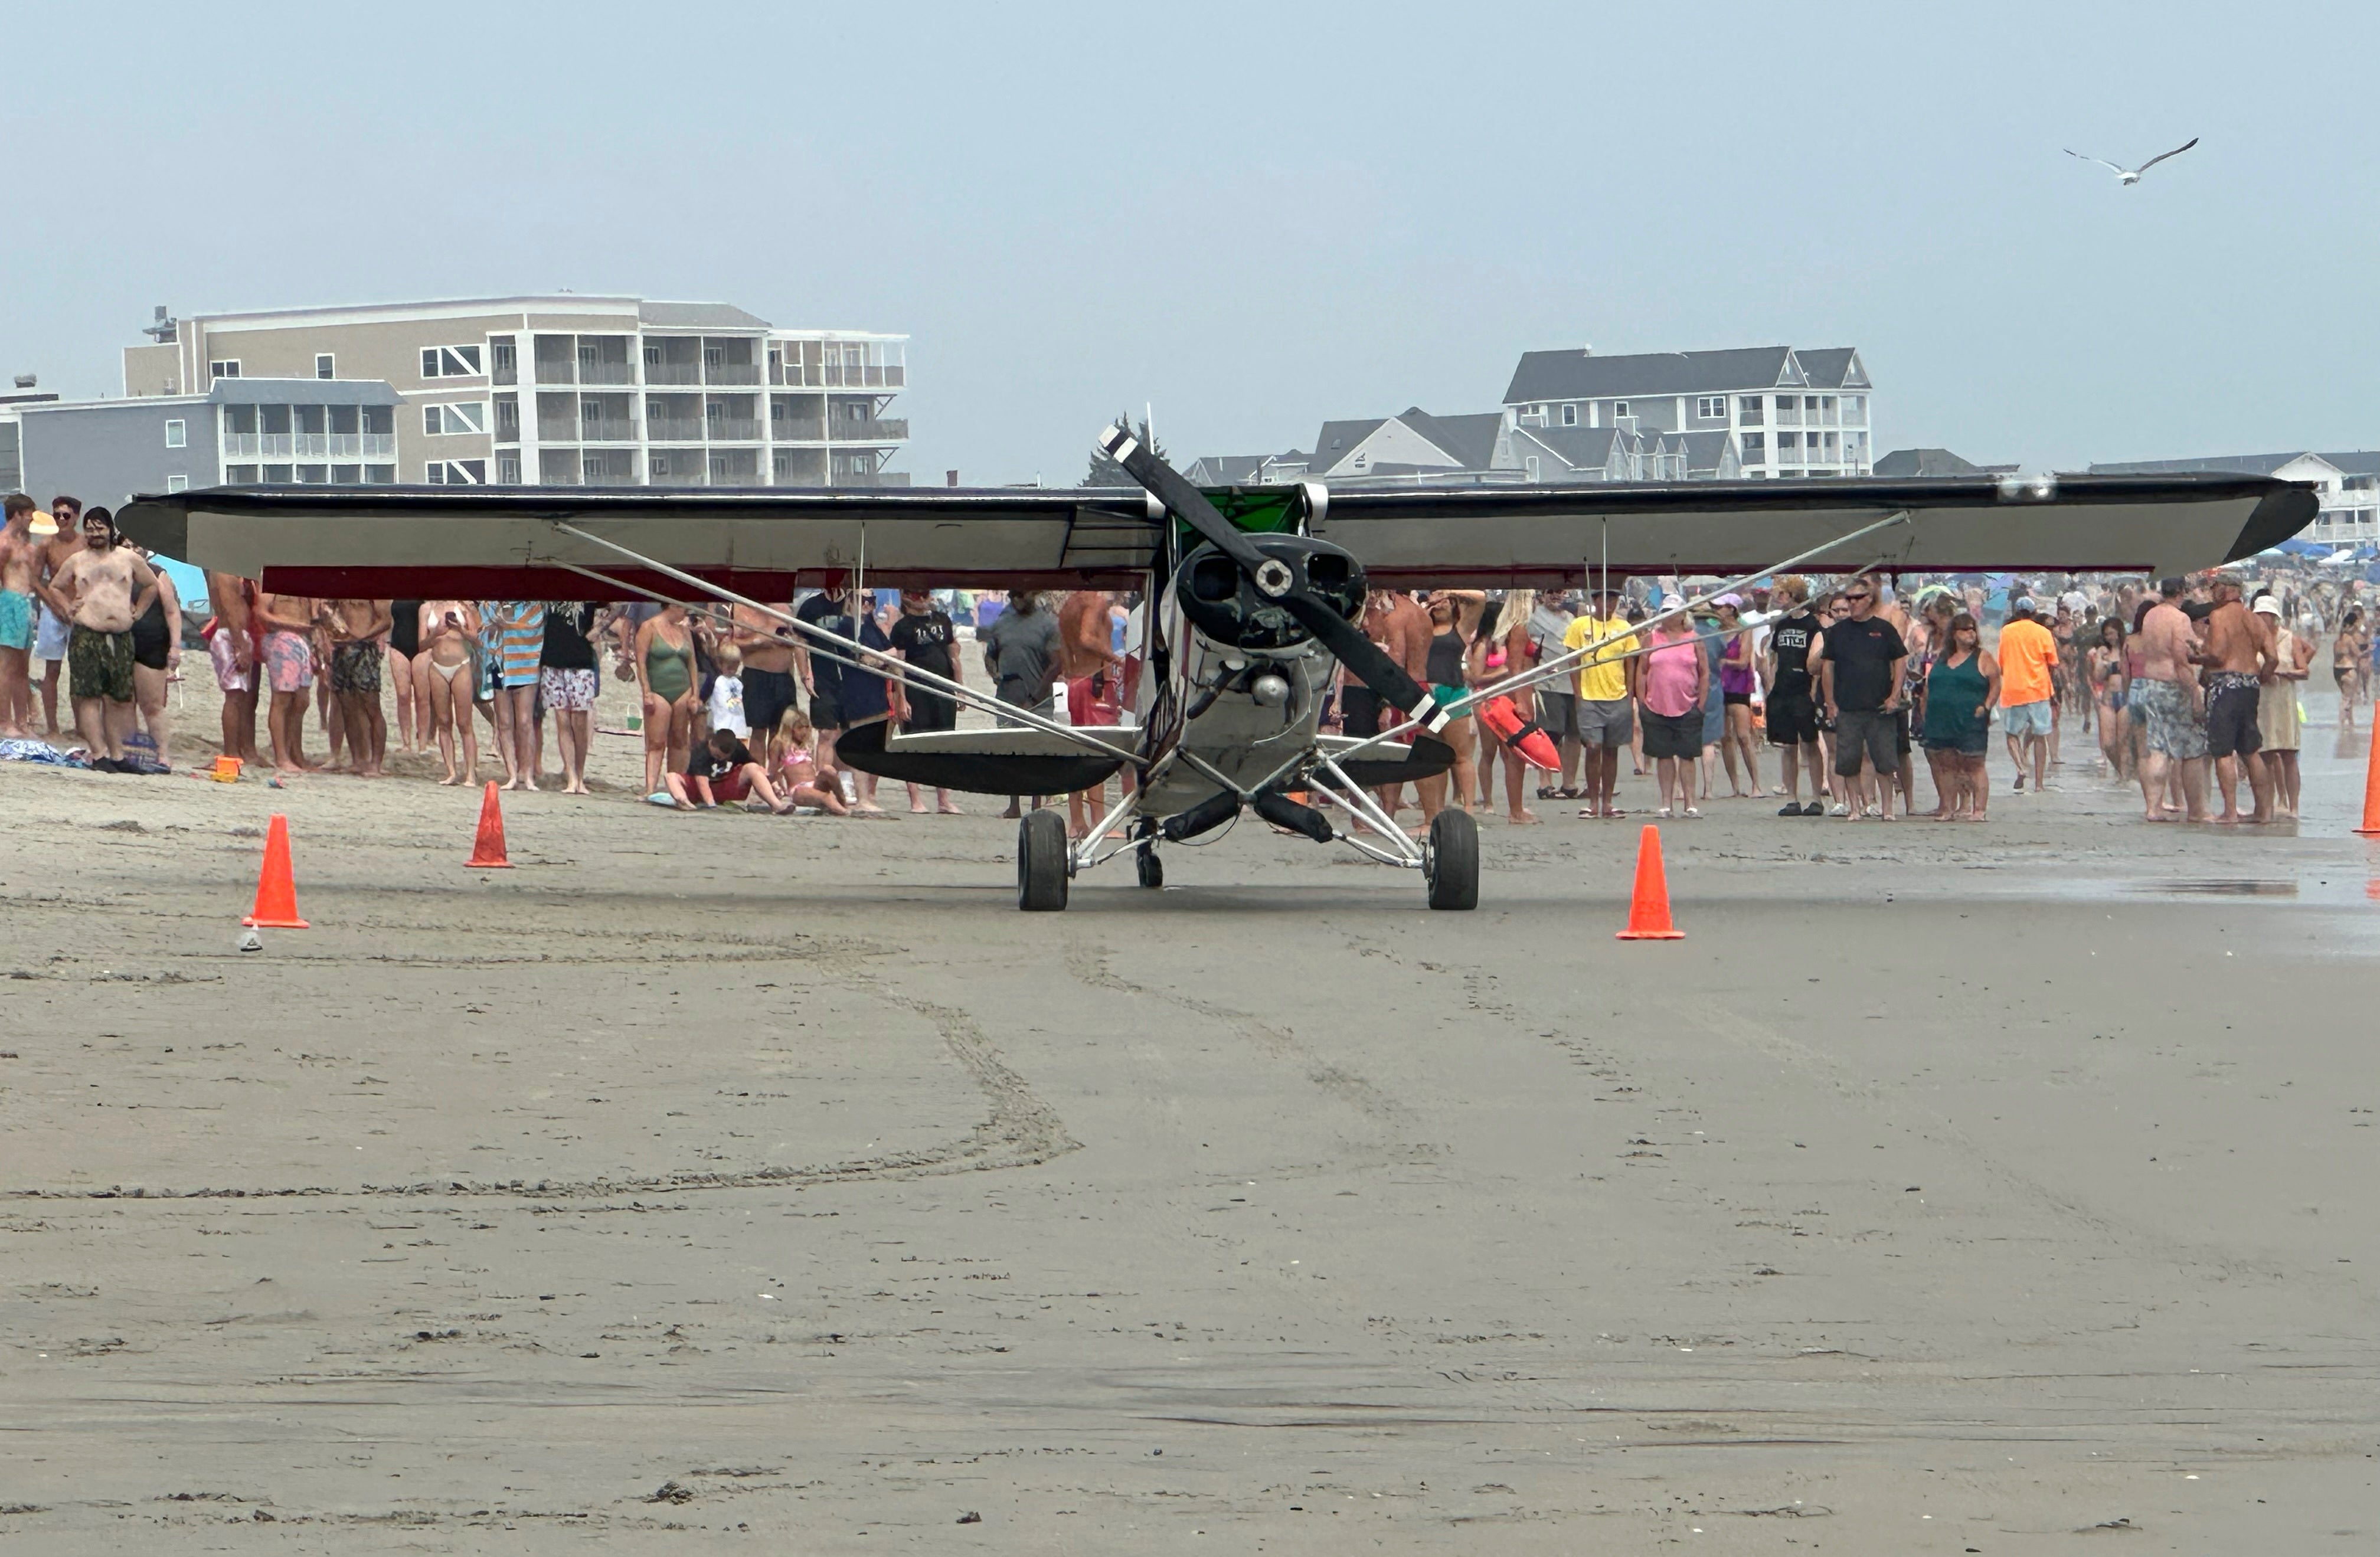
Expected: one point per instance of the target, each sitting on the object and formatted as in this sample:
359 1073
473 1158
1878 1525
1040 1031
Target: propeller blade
1172 487
1364 659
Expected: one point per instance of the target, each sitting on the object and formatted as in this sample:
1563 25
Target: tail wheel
1041 862
1151 869
1450 861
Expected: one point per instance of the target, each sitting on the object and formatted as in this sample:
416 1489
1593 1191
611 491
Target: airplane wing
504 543
1554 537
501 543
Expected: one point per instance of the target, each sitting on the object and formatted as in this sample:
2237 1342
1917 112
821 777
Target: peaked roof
1470 439
1827 365
1583 448
1707 451
1925 462
1224 469
1582 375
1333 443
2359 462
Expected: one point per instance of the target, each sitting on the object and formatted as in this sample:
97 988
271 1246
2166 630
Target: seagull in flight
2133 174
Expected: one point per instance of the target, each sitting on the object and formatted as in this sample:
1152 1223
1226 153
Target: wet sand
725 1182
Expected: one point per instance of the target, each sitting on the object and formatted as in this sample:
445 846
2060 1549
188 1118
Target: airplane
1256 598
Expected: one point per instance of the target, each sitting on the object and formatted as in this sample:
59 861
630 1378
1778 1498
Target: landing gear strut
1151 869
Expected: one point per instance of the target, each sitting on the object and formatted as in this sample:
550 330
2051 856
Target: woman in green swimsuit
664 663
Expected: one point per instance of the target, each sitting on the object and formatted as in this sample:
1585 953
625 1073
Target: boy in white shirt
727 695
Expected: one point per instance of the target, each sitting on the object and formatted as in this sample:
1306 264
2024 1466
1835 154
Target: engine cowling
1223 602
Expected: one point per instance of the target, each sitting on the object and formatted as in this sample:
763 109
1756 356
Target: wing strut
848 647
1563 663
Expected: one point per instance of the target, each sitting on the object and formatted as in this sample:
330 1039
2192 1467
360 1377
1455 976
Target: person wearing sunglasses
1859 661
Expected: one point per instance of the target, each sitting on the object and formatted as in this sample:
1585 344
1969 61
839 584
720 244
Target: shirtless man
2238 656
2172 709
20 561
99 591
767 677
289 669
355 628
50 644
1093 673
1408 631
233 650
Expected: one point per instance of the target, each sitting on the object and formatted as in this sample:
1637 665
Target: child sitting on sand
722 769
805 783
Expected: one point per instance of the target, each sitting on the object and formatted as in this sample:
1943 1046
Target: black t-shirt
925 641
1792 636
566 645
1861 654
823 611
708 765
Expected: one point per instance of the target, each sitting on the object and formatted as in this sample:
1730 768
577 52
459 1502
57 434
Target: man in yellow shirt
1606 712
2027 655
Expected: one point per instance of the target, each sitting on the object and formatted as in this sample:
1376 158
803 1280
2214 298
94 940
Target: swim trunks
229 676
15 619
355 667
2174 728
289 662
100 664
567 691
2231 723
52 643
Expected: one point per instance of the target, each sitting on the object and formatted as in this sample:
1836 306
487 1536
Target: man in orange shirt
2027 655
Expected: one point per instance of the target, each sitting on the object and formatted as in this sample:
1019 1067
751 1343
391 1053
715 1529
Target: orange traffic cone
276 888
2371 786
488 848
1648 911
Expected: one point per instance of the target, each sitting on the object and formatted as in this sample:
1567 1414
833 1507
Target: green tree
1106 472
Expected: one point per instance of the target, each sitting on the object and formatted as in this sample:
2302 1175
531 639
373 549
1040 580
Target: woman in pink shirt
1674 679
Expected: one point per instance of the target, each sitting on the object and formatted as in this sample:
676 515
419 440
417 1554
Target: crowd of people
2179 683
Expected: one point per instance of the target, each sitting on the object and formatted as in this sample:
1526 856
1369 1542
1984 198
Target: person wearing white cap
2277 707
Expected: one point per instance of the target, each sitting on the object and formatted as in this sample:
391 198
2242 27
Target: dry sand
731 1184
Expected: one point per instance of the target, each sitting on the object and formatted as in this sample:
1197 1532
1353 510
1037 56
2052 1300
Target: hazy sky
1257 217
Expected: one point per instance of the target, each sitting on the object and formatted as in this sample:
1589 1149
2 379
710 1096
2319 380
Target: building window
178 484
1619 408
658 463
1855 409
225 370
1532 464
713 355
1570 416
450 362
325 365
1756 448
1711 408
1747 409
177 433
456 472
459 416
240 475
508 471
380 475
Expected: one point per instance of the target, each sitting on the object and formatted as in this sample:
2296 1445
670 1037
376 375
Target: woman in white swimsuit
443 673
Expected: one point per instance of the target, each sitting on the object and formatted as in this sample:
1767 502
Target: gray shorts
51 643
1606 721
1558 714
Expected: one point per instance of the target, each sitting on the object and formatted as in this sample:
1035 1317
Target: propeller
1275 579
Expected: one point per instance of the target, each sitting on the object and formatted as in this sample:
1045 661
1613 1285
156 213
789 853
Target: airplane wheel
1041 862
1152 870
1450 860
